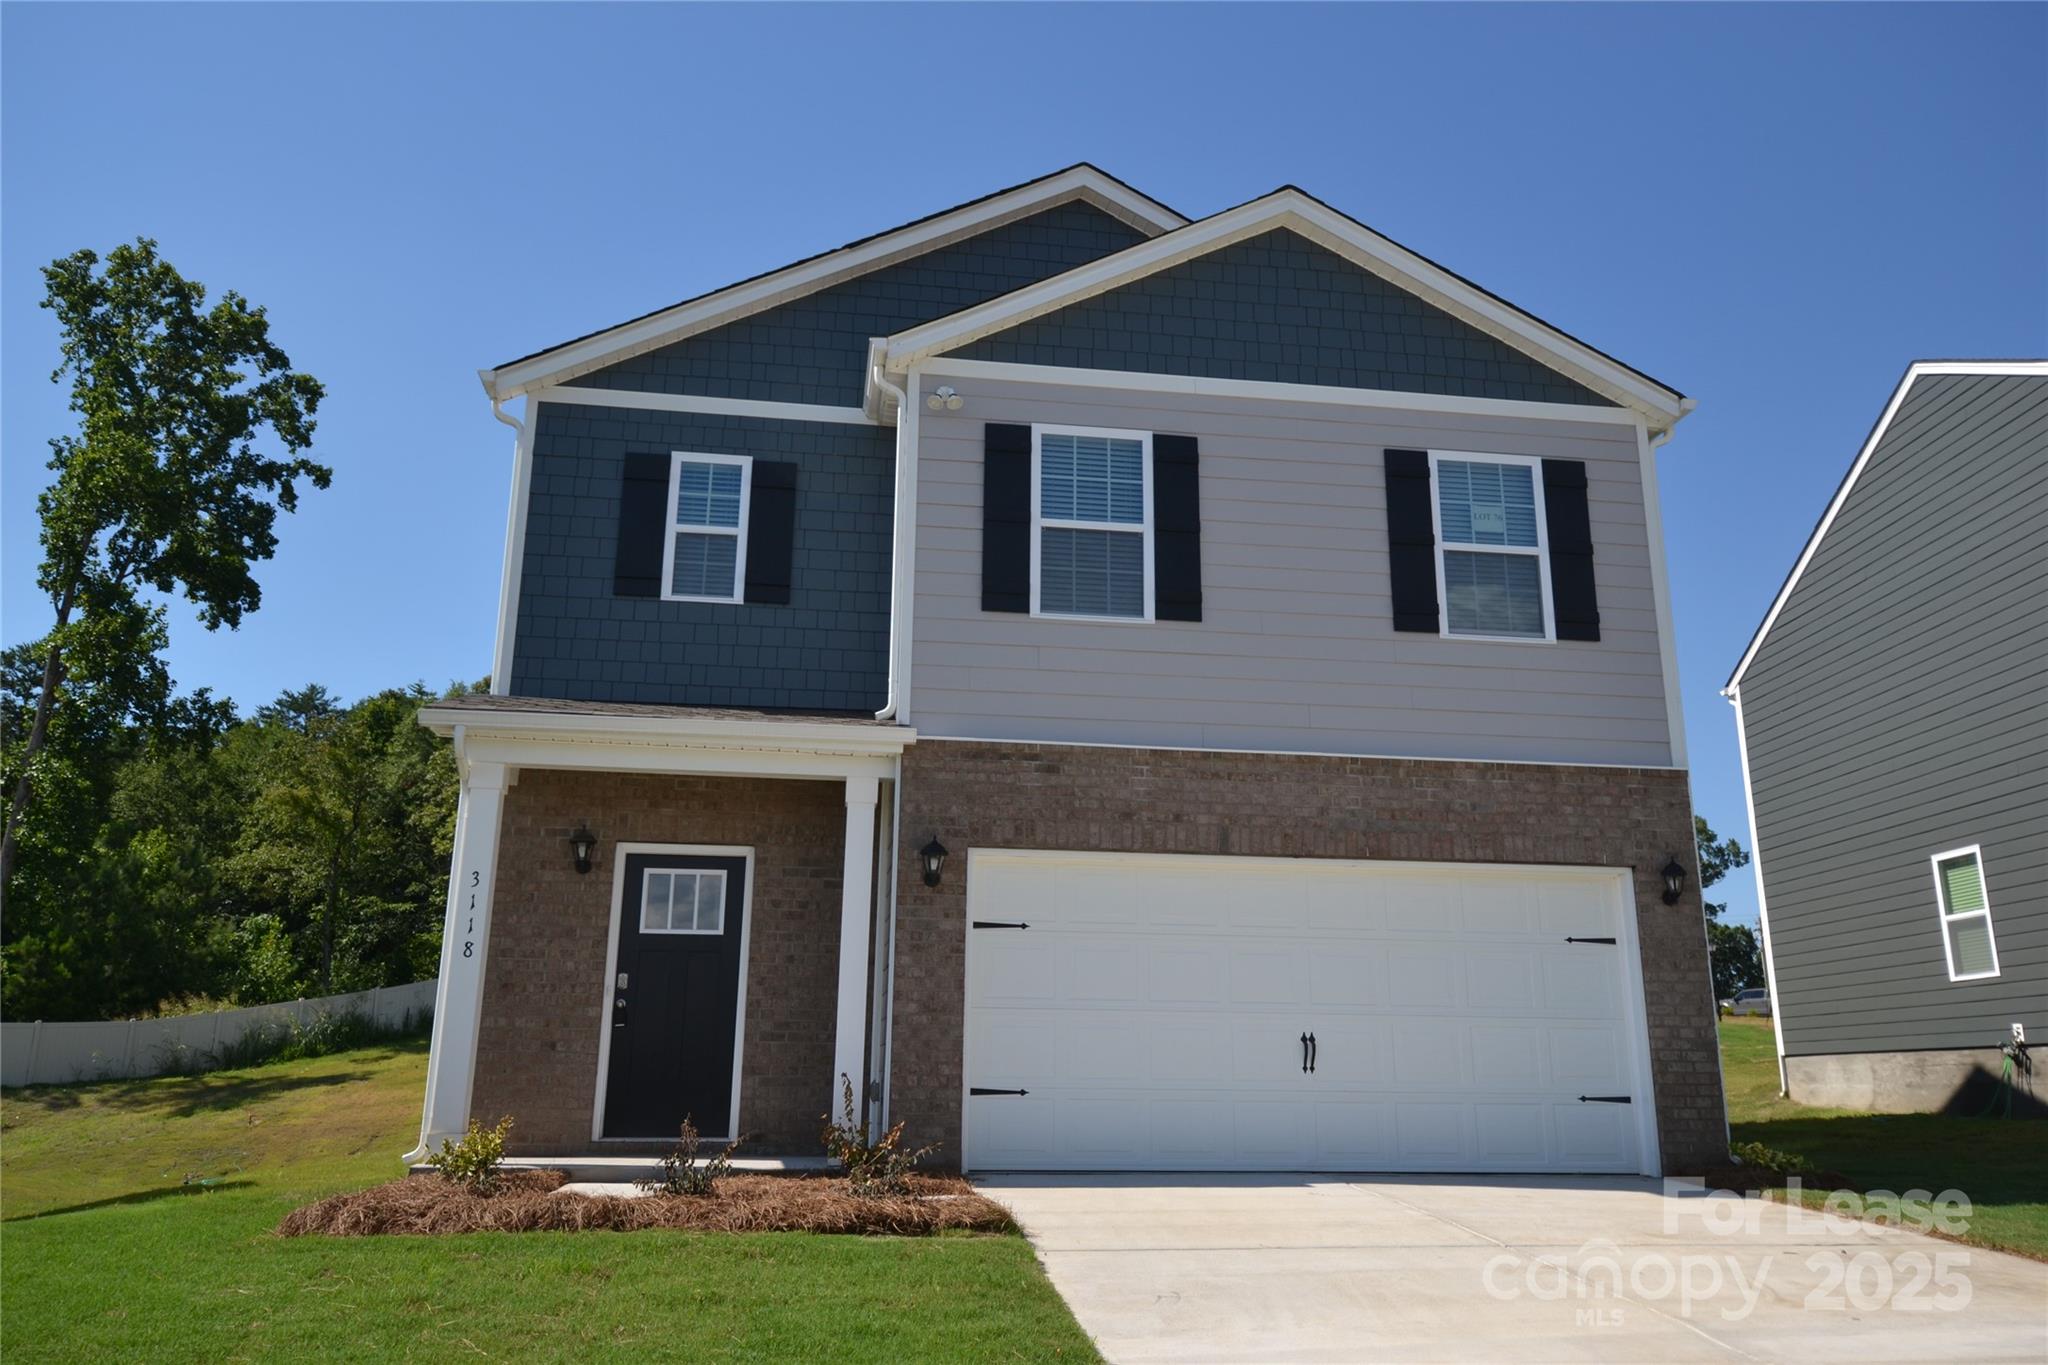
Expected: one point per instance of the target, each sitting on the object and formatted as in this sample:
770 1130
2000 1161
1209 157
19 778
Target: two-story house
1124 691
1893 718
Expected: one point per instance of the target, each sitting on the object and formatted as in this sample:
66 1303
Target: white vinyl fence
115 1049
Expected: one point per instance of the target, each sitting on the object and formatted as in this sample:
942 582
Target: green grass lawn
1996 1162
108 1254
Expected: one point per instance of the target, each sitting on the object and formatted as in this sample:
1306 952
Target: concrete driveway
1275 1268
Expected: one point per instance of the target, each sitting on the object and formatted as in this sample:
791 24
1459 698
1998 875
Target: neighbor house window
1091 551
682 902
707 543
1491 571
1965 914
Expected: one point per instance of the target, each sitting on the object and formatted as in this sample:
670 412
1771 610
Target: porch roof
545 732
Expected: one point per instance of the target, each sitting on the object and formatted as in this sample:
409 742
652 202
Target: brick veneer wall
1285 805
544 977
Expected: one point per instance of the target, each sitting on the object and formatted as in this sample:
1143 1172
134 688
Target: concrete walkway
1275 1268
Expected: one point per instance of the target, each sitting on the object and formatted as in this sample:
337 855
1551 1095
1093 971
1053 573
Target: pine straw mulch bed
531 1201
1754 1179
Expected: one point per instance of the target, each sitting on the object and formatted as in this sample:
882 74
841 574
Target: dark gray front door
675 999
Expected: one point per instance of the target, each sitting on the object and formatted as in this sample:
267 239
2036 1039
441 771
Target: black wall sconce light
581 843
933 856
1674 880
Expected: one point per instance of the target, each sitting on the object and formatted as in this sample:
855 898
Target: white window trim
1975 852
739 533
647 876
1039 523
1541 550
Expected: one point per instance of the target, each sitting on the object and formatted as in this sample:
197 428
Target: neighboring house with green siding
1893 717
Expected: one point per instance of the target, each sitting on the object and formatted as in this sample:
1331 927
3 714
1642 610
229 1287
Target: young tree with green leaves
161 488
1736 957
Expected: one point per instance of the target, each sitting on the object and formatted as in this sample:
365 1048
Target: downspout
1763 908
1661 568
899 568
515 537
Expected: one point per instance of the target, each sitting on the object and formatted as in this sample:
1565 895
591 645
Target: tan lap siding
543 980
1296 650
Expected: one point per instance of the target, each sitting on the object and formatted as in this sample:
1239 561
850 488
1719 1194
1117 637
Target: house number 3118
469 945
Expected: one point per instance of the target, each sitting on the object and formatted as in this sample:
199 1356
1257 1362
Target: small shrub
680 1171
474 1161
1762 1158
879 1169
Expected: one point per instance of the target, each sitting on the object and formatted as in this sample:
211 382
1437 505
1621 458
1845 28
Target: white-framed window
1091 523
1965 904
682 901
705 559
1492 565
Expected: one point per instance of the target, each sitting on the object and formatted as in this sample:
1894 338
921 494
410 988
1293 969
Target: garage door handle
1569 939
1605 1099
1304 1054
1311 1054
982 1090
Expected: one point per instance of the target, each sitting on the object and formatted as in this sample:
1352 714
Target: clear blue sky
1773 208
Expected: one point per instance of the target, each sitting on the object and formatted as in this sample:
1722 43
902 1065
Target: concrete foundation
1957 1081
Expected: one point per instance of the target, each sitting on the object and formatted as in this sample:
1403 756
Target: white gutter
904 542
515 541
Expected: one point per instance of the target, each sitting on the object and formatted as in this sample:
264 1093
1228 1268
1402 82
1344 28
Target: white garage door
1168 1013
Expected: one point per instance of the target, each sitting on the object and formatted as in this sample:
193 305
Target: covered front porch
712 948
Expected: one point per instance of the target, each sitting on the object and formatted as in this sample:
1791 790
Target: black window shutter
1005 517
643 526
1176 528
771 533
1570 533
1411 541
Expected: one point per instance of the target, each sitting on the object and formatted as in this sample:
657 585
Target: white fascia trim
713 310
1660 592
1355 242
936 737
1136 381
510 578
690 402
1870 444
809 737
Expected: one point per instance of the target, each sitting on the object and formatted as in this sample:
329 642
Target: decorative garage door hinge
1605 1099
1000 924
1569 939
978 1090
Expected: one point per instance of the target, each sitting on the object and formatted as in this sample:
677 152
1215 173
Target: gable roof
1298 211
561 363
1914 372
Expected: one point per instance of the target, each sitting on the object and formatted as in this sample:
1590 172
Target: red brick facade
544 977
1277 805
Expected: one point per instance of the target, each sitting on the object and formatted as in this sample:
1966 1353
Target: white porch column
465 937
856 903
